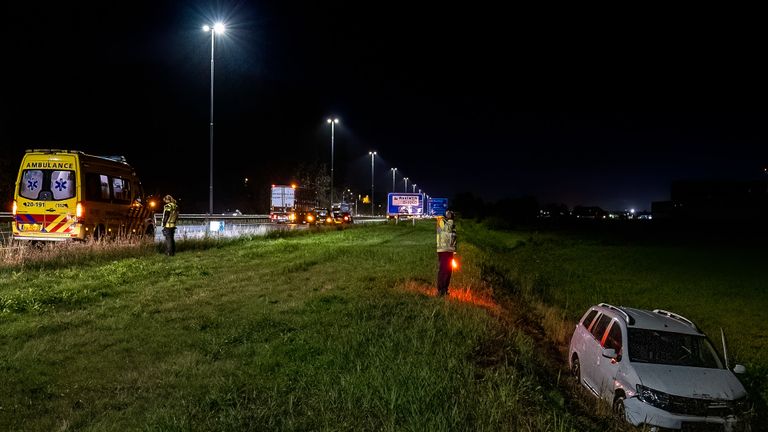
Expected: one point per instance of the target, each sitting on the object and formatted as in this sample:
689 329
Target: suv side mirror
609 353
739 369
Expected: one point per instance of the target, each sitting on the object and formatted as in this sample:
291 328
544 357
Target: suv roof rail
627 318
675 316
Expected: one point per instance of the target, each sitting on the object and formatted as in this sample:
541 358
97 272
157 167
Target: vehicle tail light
14 207
79 210
346 217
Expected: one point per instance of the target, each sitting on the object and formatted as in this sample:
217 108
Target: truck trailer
292 204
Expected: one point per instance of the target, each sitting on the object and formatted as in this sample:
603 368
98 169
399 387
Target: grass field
330 331
339 330
716 283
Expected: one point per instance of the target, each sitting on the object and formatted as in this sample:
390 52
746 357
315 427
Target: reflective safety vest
170 214
446 235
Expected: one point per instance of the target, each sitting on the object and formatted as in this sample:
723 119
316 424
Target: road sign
437 206
405 204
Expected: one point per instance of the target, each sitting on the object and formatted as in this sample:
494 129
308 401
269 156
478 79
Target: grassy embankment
332 331
716 284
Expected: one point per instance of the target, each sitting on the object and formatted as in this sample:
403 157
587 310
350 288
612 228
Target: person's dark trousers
444 272
170 242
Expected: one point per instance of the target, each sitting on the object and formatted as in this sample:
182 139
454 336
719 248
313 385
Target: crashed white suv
657 369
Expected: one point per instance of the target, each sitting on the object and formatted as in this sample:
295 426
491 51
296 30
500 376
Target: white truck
292 204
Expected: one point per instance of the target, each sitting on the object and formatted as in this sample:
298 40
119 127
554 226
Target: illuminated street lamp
394 170
332 122
217 28
405 188
414 187
373 155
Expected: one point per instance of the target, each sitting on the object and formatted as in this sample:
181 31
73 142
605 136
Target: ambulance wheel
99 233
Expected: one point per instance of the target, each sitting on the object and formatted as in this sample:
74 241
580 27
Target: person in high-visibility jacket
170 215
446 248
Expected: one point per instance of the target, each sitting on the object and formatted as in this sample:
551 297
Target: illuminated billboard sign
405 204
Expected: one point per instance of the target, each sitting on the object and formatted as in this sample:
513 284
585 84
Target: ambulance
69 195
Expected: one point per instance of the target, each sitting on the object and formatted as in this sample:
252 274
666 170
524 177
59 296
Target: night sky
497 102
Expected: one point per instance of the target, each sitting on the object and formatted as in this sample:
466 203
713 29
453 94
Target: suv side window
599 328
589 318
613 338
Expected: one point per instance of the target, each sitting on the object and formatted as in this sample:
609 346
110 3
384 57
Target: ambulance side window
31 184
121 189
96 187
62 184
104 188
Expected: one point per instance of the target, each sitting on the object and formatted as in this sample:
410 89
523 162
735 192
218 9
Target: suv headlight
653 397
742 406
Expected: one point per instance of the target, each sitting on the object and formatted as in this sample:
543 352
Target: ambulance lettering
50 165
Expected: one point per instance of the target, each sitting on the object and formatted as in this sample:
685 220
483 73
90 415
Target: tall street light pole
373 155
394 170
217 28
414 187
405 188
332 122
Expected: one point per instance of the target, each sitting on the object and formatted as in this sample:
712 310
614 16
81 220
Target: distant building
584 212
714 200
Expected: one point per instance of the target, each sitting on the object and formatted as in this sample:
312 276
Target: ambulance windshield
47 185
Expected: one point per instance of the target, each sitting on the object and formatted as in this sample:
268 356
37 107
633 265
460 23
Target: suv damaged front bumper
640 413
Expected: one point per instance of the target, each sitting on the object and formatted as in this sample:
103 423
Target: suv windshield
660 347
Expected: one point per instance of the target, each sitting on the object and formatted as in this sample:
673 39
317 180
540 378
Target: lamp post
373 155
414 187
217 28
394 170
405 188
332 122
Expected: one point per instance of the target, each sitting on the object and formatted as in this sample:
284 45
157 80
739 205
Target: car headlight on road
653 397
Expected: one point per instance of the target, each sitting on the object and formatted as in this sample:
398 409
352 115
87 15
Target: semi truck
292 204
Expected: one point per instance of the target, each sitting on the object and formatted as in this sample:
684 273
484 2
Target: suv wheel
576 368
618 407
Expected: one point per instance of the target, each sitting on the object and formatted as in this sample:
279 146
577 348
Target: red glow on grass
464 295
